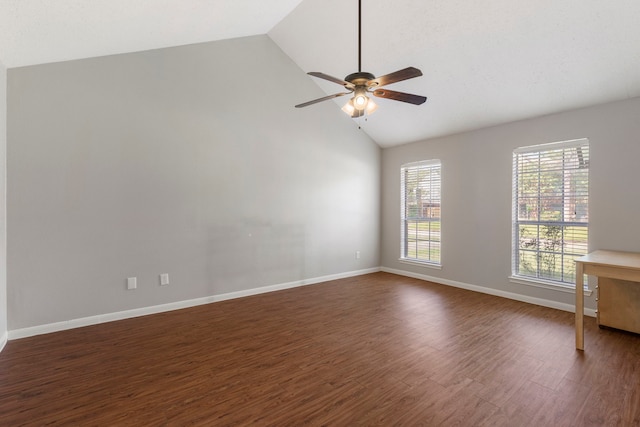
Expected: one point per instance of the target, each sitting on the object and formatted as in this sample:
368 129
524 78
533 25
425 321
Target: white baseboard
490 291
110 317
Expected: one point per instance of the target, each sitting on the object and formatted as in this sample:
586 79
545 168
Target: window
550 210
421 212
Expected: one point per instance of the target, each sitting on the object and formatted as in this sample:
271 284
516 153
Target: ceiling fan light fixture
360 98
360 102
352 111
349 108
371 107
355 110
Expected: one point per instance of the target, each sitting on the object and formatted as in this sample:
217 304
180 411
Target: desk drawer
619 304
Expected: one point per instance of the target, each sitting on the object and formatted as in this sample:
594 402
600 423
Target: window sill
547 284
421 263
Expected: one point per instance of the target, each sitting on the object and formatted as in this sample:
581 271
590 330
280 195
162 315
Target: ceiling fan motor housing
359 78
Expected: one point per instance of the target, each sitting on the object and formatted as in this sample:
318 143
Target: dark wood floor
378 349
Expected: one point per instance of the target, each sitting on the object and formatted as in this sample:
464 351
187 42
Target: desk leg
579 306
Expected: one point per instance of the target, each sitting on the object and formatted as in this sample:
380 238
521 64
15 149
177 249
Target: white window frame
432 236
577 222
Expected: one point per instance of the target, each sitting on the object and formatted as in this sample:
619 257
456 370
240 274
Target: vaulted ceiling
484 63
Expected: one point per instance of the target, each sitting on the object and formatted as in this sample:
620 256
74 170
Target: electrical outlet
132 283
357 254
164 279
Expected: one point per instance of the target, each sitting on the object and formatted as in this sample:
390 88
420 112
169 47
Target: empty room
306 212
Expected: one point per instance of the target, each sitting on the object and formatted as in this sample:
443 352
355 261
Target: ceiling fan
361 84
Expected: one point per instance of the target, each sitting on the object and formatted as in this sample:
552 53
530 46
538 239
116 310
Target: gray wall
476 193
3 209
190 161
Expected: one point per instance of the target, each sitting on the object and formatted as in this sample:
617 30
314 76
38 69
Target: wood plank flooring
378 349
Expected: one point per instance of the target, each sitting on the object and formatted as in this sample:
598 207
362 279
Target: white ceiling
484 62
42 31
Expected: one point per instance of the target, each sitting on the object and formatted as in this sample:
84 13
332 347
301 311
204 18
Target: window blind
421 209
550 210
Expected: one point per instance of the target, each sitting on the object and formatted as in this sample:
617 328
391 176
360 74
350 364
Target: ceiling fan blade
324 98
400 96
398 76
332 79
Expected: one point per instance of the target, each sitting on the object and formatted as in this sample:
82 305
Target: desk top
630 260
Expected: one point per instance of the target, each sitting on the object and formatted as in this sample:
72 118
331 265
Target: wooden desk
612 264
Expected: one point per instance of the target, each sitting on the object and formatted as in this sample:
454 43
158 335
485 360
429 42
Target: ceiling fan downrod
359 36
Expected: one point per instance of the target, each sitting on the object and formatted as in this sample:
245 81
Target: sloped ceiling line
484 63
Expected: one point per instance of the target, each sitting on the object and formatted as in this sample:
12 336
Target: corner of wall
3 206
